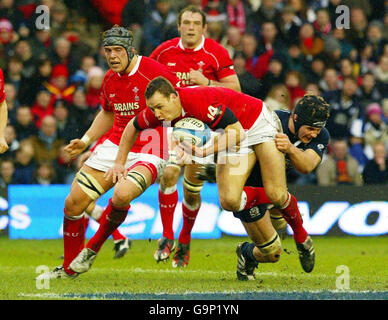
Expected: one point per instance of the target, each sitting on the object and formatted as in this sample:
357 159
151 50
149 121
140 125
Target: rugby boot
57 273
182 256
306 253
83 261
245 267
165 247
121 247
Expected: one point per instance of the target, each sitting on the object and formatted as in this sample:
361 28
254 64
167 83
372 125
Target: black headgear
312 111
119 36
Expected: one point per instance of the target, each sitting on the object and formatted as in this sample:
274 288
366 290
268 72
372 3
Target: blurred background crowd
281 49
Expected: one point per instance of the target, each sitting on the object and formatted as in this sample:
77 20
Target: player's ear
295 117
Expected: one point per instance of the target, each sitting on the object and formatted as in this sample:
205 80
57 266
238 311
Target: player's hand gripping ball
192 131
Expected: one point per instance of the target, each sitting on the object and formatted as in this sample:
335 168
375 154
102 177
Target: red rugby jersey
124 95
208 104
209 57
2 91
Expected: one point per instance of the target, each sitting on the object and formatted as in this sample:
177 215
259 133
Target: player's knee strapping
191 186
271 249
89 185
138 179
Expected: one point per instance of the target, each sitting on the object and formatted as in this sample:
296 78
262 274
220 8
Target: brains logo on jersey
192 130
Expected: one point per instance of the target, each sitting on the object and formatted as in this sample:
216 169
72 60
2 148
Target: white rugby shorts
265 128
104 156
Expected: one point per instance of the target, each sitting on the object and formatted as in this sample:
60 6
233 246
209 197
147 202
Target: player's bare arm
304 161
232 136
230 82
101 125
3 124
127 141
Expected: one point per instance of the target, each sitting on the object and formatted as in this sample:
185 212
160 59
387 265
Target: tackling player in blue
304 140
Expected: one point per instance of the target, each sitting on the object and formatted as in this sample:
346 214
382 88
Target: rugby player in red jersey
248 128
3 115
195 60
122 99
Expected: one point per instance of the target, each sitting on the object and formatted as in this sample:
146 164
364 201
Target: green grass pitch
212 271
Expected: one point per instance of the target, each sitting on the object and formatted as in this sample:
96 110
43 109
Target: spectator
274 75
310 44
356 34
375 129
58 85
365 59
339 168
41 43
81 111
278 98
313 88
68 129
13 73
24 51
12 141
9 10
159 26
7 170
322 24
11 99
289 25
385 110
47 144
25 164
315 71
293 82
232 40
249 84
295 58
8 39
346 49
345 109
349 69
381 71
45 174
133 17
62 55
93 87
375 38
239 15
269 45
24 125
30 87
369 91
330 81
266 12
376 169
249 47
44 105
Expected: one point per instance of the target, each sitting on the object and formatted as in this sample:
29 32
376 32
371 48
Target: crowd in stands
281 49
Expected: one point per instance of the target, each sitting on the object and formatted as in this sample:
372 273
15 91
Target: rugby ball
192 131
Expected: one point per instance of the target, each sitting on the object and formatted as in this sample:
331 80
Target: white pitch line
102 294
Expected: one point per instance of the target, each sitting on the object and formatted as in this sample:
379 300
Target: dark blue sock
247 251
